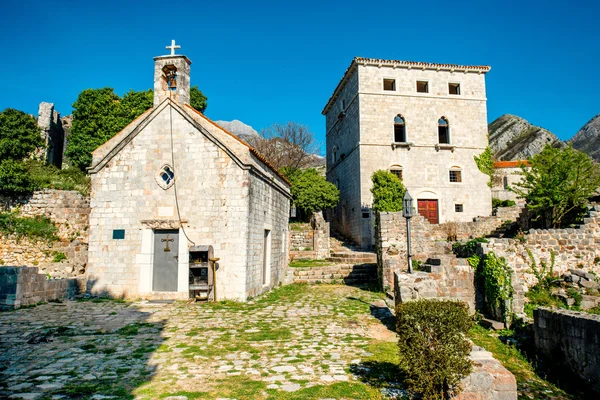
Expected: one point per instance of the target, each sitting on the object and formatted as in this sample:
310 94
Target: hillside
588 138
514 138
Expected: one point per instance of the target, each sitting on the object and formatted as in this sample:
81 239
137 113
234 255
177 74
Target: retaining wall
572 339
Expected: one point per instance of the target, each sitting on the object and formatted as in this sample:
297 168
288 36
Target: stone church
423 122
182 208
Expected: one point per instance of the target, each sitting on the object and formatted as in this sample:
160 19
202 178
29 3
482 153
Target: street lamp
408 211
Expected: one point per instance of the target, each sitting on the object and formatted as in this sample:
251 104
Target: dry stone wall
310 241
69 211
572 339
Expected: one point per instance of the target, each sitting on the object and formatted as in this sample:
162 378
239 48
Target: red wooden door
429 209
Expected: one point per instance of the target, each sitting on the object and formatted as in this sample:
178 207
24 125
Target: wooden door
429 209
166 248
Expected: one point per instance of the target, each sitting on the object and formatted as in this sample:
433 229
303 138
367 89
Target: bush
311 192
502 203
467 249
14 178
388 191
40 228
48 176
433 348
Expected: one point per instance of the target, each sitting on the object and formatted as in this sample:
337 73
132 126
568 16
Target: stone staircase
348 274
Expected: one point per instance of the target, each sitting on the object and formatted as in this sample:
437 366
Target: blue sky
273 62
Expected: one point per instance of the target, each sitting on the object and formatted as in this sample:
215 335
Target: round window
165 177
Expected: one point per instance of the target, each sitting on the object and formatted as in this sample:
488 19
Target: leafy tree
197 99
14 178
388 191
433 346
135 104
19 135
558 183
485 163
311 192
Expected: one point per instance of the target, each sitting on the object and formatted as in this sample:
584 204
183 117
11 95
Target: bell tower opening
172 77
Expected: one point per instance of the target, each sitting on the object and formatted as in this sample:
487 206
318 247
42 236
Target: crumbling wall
572 339
52 133
311 240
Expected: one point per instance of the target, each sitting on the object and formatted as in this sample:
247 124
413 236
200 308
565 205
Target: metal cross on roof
172 47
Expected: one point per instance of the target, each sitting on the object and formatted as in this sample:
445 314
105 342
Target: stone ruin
53 134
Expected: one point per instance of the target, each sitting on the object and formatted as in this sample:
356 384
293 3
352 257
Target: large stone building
172 193
422 121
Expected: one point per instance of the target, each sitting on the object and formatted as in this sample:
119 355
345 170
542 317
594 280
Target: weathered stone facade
572 339
506 175
219 193
69 211
25 286
360 139
52 134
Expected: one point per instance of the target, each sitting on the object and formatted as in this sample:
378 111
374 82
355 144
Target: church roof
103 154
398 64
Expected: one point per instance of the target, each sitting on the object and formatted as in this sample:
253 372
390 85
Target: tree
485 163
99 114
433 346
388 191
290 145
559 182
14 178
311 192
19 135
197 99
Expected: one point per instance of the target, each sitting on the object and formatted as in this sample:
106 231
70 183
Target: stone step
346 281
353 260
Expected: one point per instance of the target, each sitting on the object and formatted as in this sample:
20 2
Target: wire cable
175 169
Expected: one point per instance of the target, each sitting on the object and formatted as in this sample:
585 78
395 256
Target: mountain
587 139
513 138
240 129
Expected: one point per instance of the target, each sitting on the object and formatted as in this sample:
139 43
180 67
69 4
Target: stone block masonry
572 339
310 241
25 286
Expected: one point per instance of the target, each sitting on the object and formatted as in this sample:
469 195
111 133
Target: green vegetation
14 178
309 263
529 384
495 275
558 185
58 256
99 114
485 163
34 228
310 191
48 176
19 135
388 191
433 349
502 203
467 249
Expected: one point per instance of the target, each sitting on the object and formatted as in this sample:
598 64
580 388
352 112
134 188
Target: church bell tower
172 77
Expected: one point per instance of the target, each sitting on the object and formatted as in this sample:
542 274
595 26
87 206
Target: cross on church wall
172 47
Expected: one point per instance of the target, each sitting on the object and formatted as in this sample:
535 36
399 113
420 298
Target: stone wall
426 239
25 286
69 211
572 339
489 380
310 241
52 133
574 248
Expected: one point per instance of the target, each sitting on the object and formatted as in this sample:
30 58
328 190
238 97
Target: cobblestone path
296 342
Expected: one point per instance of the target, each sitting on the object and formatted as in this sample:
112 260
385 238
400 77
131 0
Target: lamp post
408 212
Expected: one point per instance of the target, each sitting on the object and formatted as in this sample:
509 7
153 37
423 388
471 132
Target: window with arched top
443 131
455 175
397 170
399 129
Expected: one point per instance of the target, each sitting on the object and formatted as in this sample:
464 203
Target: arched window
443 131
397 170
399 129
455 175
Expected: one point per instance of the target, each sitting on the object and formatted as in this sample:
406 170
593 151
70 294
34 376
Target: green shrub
467 249
48 176
575 295
502 203
58 256
495 276
388 191
433 347
34 228
14 178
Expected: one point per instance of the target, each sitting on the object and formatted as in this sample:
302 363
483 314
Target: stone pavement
291 339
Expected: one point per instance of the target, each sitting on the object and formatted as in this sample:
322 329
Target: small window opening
422 87
399 130
397 171
389 84
334 156
167 175
458 208
365 214
343 104
455 175
454 88
118 234
506 182
443 131
170 75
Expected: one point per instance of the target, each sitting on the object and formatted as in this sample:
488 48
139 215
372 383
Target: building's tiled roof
401 64
511 164
252 149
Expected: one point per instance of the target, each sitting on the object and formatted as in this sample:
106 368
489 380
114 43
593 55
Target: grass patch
309 263
529 384
48 176
341 390
34 228
133 329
